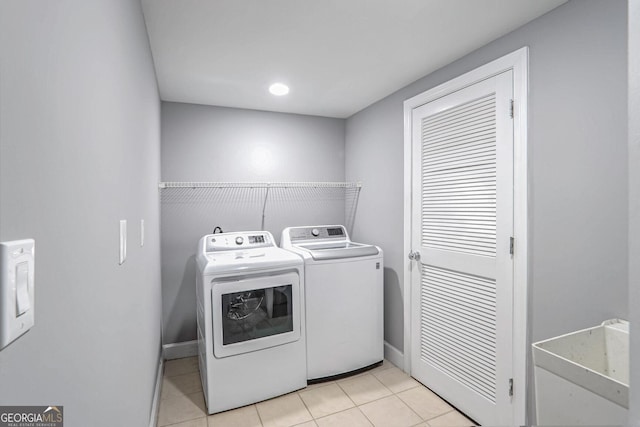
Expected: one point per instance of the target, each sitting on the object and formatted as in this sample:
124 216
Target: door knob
414 256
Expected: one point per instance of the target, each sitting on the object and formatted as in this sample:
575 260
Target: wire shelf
163 185
223 199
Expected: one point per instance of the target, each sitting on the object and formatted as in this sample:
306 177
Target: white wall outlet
17 289
123 240
142 232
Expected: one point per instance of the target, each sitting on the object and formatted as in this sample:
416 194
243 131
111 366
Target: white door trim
518 62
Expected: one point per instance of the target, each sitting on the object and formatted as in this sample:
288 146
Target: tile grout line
165 376
442 415
305 404
405 403
411 409
354 403
255 406
347 394
205 410
169 363
426 419
384 397
180 375
184 421
345 410
374 400
180 422
453 409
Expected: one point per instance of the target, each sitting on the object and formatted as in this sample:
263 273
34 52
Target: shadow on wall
187 214
393 303
185 297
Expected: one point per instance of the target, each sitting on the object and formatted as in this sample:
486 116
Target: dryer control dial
239 240
315 232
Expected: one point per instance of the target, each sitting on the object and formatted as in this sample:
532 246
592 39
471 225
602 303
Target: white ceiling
337 56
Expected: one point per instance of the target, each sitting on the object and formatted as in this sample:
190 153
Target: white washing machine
344 300
251 320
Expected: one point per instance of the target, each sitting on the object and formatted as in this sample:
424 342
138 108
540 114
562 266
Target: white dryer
251 321
344 300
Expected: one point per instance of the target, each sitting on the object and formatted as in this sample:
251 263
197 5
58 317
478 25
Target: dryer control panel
240 240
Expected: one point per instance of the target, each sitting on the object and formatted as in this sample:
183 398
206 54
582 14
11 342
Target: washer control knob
239 240
315 232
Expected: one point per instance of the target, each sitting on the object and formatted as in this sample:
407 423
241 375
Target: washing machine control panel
234 241
316 233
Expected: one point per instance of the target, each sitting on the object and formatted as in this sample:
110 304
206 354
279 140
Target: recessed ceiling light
279 89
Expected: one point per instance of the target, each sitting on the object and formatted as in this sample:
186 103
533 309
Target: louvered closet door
462 222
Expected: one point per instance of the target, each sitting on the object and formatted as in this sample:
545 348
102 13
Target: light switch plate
142 232
17 289
123 240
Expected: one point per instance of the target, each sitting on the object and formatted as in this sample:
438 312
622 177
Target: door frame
518 62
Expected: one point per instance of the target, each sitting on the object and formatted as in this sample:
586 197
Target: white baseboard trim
155 404
180 350
394 355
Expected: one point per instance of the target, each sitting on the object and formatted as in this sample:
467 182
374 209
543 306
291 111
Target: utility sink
582 378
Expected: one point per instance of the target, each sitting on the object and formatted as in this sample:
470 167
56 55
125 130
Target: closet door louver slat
458 164
458 321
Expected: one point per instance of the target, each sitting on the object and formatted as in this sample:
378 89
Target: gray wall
634 206
577 167
202 143
79 150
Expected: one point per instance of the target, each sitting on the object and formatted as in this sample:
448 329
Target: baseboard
180 350
155 404
393 355
190 348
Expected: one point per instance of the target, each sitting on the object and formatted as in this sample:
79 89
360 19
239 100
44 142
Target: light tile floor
382 397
